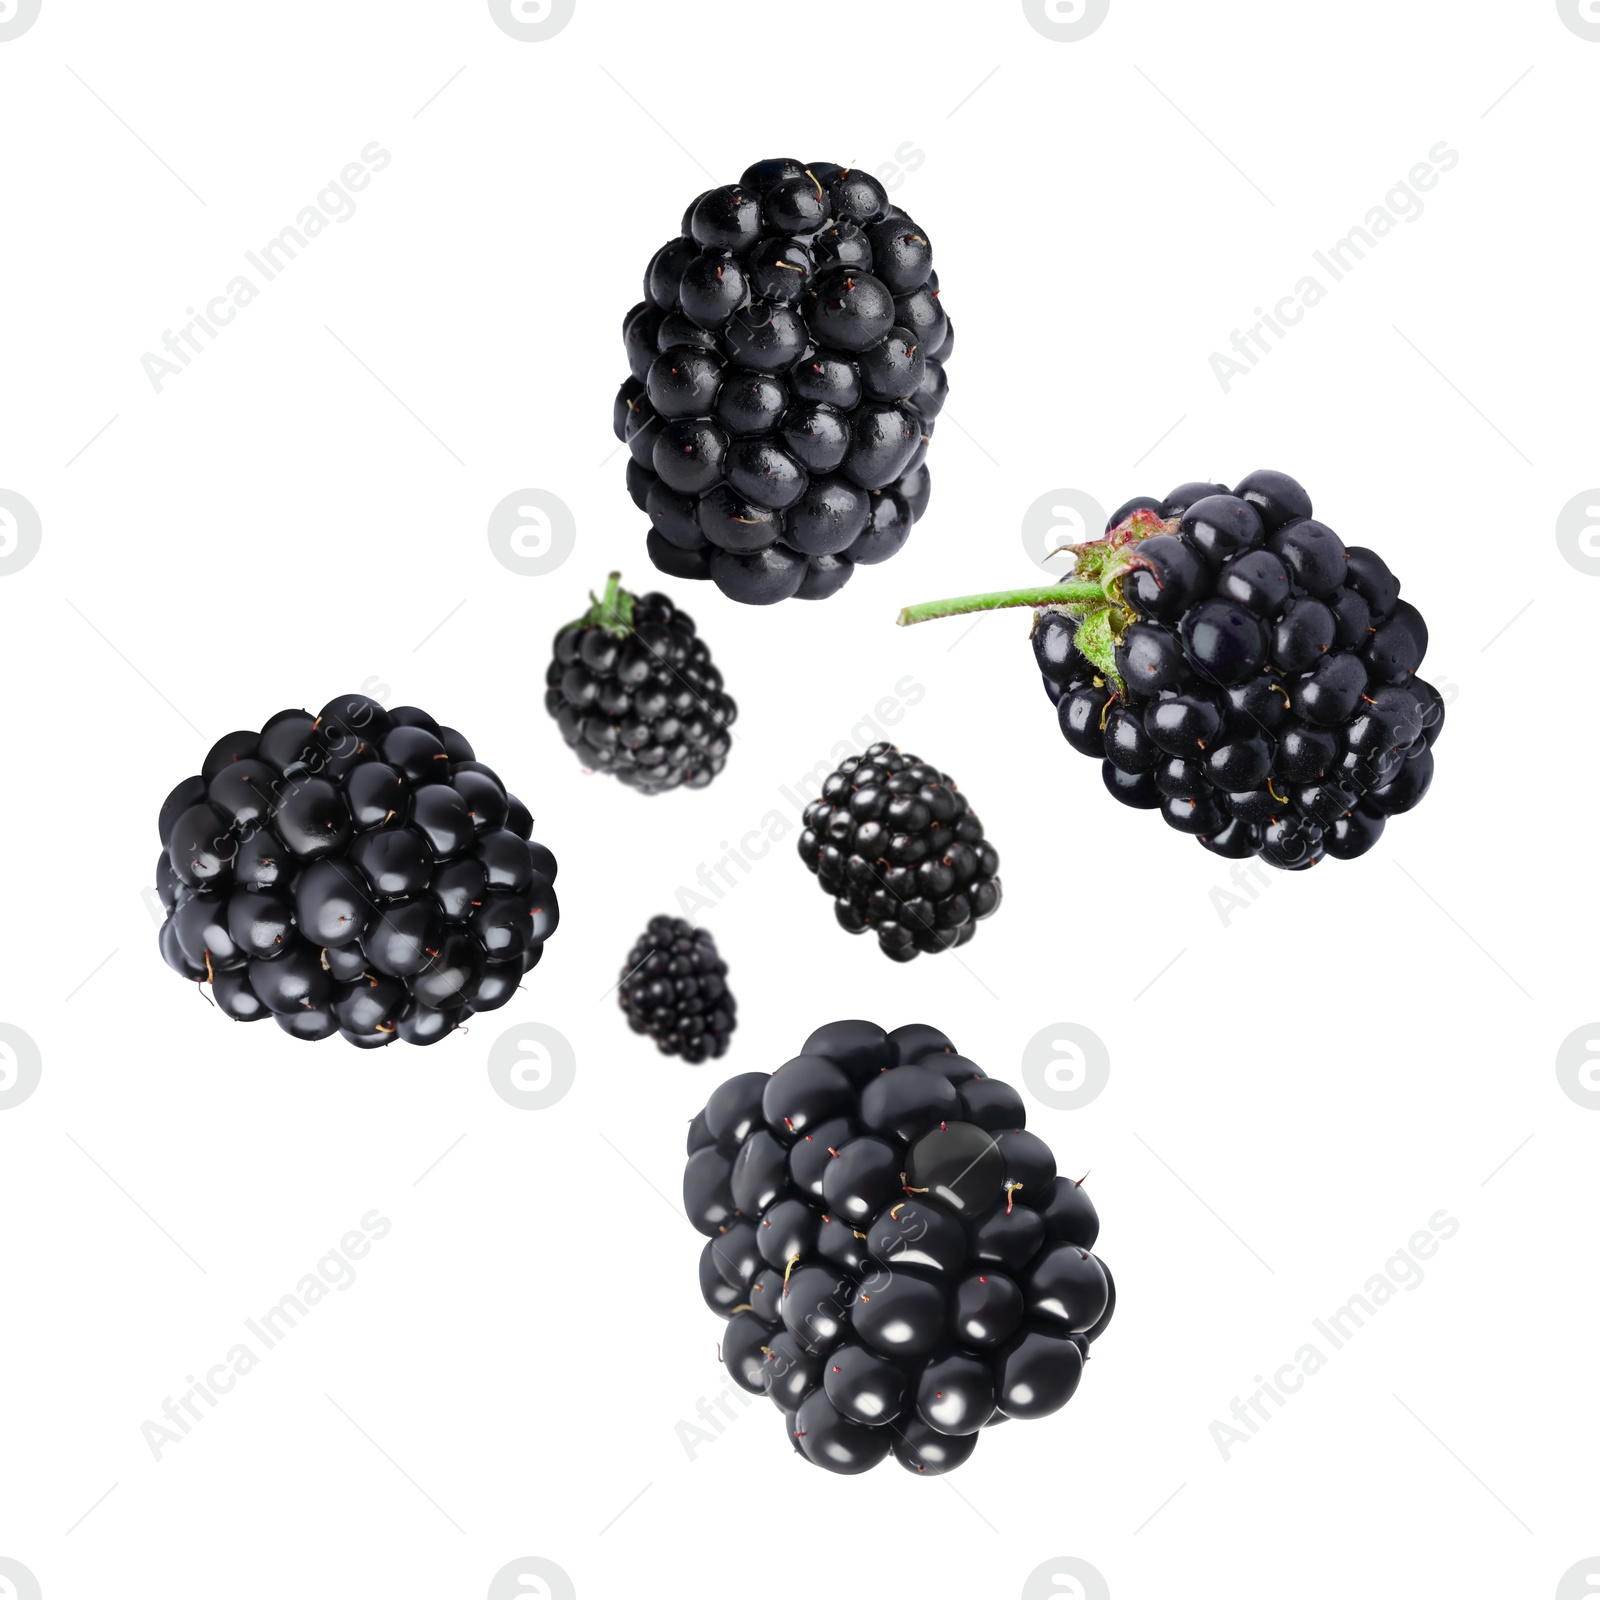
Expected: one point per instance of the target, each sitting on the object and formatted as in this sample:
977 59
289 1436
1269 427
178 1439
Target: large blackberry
787 365
636 694
897 846
898 1261
675 988
358 873
1234 665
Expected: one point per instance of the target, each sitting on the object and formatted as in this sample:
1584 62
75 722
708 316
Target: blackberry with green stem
1234 665
636 693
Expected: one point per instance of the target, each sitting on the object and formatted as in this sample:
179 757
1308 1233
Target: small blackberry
635 692
358 872
675 988
896 845
787 366
1234 665
899 1264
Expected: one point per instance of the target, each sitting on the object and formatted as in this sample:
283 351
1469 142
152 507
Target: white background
304 510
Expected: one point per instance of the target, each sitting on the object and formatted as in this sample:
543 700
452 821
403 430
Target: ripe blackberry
787 366
1232 664
358 872
675 988
635 692
896 845
899 1264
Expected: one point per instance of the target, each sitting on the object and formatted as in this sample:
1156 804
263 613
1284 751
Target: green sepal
1096 641
612 610
1091 595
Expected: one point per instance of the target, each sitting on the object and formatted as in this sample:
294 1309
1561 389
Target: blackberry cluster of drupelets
1232 664
357 872
636 694
902 853
899 1262
674 987
787 366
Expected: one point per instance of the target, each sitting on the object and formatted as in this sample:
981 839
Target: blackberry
636 695
357 872
898 1261
1232 664
787 366
675 988
897 846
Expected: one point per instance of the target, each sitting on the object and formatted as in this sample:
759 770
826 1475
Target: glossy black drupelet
358 873
636 694
897 846
899 1263
787 366
1271 700
674 987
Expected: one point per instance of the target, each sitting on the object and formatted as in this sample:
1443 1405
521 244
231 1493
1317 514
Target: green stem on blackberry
1059 594
1092 597
613 611
1094 603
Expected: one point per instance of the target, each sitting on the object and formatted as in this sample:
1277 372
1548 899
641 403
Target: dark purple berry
906 1286
634 690
319 883
674 987
896 844
792 332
